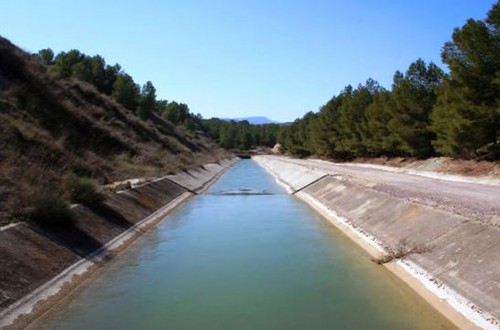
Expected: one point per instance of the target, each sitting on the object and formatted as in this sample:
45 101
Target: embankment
459 274
39 265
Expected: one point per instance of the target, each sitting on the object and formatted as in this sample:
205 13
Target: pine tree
414 95
467 114
126 92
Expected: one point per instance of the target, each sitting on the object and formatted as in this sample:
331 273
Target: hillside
55 129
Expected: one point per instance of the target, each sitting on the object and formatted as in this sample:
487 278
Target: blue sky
274 58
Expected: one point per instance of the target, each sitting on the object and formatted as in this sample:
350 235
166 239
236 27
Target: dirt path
480 202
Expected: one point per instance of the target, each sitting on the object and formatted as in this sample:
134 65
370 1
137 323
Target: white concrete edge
138 182
10 225
278 180
215 175
429 174
459 303
26 304
442 291
343 221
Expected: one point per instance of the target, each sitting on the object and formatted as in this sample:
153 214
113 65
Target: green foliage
179 114
126 92
324 130
378 114
81 190
455 122
425 112
467 115
64 62
52 211
91 69
143 102
474 61
147 101
228 136
241 135
95 71
296 138
339 130
352 126
414 95
46 56
176 113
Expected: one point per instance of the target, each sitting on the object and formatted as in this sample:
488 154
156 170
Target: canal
244 255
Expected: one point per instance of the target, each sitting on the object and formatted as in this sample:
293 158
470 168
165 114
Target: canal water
244 255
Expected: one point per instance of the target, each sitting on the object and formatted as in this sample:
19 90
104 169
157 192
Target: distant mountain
254 120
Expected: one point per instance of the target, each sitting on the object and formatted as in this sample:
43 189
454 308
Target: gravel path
480 202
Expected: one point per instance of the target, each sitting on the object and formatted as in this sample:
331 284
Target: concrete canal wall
461 265
40 265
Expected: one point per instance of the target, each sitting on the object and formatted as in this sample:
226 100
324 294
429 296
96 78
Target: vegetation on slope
112 81
427 112
59 135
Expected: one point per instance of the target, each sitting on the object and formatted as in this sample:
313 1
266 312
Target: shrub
52 211
81 190
300 152
400 250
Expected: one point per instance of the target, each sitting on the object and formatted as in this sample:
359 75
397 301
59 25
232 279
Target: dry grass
52 211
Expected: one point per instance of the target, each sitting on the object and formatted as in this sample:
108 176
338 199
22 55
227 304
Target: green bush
81 190
300 152
52 211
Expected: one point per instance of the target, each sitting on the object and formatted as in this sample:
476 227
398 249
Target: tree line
241 134
426 112
120 86
108 79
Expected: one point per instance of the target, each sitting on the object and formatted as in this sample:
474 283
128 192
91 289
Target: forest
142 101
426 112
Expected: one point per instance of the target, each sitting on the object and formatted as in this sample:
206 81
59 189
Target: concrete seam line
52 287
179 185
310 183
206 184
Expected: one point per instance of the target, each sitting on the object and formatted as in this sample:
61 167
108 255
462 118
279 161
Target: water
245 255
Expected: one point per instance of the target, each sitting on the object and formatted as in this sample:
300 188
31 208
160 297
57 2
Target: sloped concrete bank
459 274
40 266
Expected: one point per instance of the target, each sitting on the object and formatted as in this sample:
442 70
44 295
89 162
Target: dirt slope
52 128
